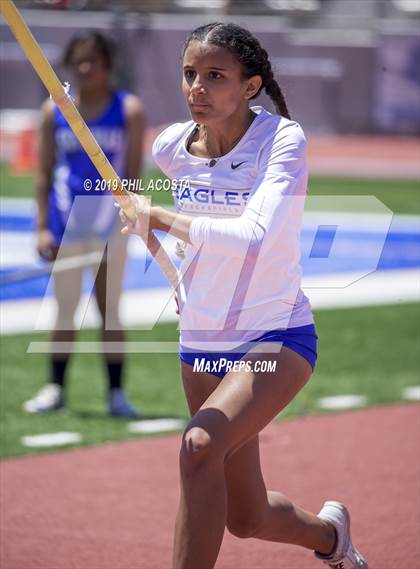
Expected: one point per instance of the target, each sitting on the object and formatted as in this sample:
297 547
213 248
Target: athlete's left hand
140 206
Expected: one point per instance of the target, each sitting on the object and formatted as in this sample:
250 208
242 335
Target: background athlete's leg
67 293
67 288
108 289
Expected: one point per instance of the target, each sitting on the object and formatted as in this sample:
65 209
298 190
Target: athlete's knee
110 313
65 316
111 321
198 451
67 303
255 521
245 526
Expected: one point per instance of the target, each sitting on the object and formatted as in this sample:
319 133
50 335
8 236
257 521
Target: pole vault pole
64 101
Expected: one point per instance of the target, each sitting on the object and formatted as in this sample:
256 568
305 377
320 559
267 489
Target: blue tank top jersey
92 214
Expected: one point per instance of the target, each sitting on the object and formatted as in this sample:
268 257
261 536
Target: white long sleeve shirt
241 272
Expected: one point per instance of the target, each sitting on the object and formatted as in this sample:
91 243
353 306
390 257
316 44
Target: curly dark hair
102 43
250 54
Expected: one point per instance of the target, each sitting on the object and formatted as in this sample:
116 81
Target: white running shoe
49 398
345 555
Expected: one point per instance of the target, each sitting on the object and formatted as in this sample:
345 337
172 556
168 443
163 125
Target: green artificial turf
372 351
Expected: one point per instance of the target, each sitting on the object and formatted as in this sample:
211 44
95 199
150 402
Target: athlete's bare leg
67 285
108 289
221 480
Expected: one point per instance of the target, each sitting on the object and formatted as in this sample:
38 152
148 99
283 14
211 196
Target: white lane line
156 426
145 308
411 393
20 207
18 250
51 439
342 402
141 309
380 287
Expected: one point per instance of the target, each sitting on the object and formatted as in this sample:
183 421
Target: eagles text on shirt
241 273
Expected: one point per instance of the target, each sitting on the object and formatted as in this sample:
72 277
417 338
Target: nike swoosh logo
234 166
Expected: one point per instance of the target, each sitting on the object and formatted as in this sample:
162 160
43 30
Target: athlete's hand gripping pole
63 100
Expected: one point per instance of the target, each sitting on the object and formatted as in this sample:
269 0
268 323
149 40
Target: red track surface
113 507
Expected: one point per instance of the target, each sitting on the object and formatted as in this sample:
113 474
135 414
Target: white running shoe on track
49 398
345 555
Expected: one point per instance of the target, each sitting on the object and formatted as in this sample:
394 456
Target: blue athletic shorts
302 340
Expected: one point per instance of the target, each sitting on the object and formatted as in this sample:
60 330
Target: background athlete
240 298
70 223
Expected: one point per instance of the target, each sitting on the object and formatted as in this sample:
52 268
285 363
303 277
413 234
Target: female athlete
248 341
75 220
